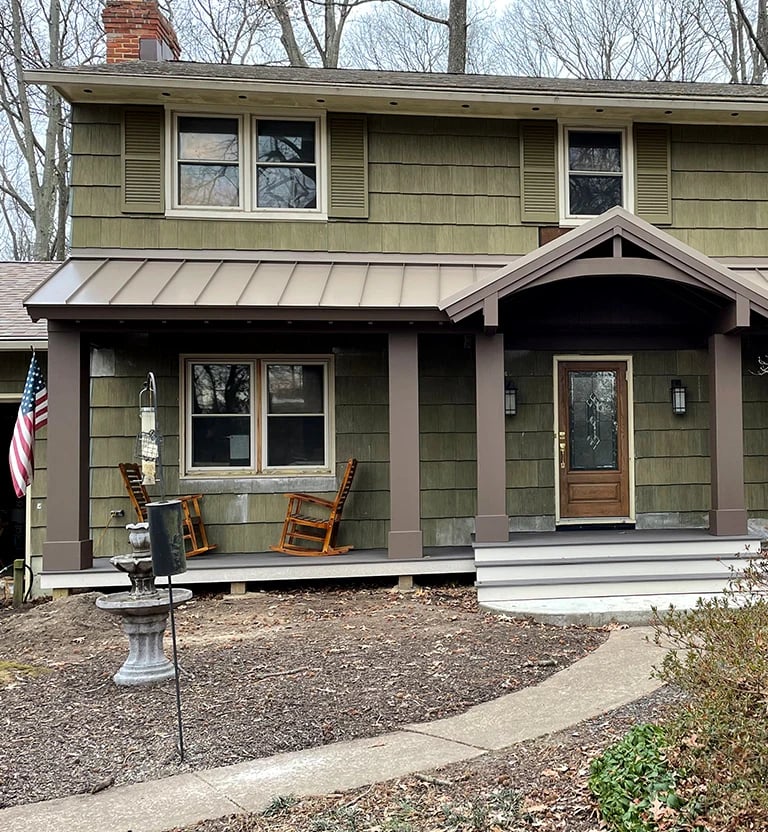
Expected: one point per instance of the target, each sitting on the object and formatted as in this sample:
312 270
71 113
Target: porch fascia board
235 313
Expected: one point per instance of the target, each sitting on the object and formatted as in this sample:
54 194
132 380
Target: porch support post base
727 521
405 545
67 555
491 528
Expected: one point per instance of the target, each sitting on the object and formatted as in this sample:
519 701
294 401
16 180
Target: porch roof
132 284
636 248
270 285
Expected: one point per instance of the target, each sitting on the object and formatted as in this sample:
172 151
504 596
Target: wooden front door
592 439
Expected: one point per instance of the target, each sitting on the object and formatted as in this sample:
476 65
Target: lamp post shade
166 537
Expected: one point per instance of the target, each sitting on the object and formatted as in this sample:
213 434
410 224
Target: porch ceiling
616 244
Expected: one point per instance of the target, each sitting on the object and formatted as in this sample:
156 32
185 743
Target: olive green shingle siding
236 521
448 442
449 185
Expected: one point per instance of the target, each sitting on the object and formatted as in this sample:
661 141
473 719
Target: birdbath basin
144 613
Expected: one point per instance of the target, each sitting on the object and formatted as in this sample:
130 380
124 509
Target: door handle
562 444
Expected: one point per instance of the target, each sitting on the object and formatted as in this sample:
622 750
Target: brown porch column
405 538
492 522
68 546
728 514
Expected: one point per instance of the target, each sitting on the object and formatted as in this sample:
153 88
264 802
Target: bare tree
311 30
224 32
391 36
34 164
602 39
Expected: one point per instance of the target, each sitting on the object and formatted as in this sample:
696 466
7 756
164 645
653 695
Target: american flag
33 415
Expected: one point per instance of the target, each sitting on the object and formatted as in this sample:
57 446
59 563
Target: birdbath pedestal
144 613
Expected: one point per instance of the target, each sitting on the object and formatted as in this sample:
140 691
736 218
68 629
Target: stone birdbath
144 612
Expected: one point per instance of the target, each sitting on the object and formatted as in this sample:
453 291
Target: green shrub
719 737
633 783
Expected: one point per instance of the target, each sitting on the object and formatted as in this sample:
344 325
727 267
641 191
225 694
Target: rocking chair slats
312 523
195 536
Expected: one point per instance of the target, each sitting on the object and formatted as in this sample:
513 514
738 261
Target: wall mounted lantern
678 391
510 397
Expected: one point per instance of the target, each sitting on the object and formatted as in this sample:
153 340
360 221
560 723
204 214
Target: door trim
596 358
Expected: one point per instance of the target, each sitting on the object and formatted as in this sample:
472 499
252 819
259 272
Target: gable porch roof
651 253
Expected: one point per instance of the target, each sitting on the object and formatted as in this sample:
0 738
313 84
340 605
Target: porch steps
606 575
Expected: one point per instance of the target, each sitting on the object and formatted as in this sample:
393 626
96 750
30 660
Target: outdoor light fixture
678 397
510 397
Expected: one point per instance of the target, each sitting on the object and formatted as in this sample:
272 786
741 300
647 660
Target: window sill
237 214
240 484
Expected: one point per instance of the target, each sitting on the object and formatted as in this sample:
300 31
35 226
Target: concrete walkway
614 674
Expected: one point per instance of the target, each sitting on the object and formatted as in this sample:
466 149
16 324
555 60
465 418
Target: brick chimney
138 31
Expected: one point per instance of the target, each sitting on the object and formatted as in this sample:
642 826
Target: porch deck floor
262 567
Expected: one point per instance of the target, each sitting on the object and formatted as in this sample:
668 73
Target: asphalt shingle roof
17 281
446 81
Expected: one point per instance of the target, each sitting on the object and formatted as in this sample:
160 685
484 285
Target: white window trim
627 166
247 140
258 428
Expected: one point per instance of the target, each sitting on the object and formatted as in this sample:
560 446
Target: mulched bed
261 674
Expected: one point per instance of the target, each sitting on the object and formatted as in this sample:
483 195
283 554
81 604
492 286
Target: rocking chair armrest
310 498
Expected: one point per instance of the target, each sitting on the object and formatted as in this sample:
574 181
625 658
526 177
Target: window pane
295 440
591 195
287 188
221 388
221 441
593 438
286 141
594 151
209 185
295 388
209 139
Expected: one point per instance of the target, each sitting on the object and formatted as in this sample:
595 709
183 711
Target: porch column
68 545
728 514
492 522
405 538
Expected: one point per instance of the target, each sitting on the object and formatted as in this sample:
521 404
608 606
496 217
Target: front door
592 440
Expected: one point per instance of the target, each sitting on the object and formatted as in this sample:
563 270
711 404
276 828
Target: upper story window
249 165
595 171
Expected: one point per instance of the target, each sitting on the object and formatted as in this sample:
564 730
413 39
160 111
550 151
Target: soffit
176 83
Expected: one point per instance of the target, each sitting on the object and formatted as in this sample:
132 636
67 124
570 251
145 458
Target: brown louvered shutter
538 171
348 174
653 193
142 159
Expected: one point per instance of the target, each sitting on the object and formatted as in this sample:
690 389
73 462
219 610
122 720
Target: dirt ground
260 674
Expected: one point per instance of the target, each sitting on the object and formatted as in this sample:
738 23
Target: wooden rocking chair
311 523
195 537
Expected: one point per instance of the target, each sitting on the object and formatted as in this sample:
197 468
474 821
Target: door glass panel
592 415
